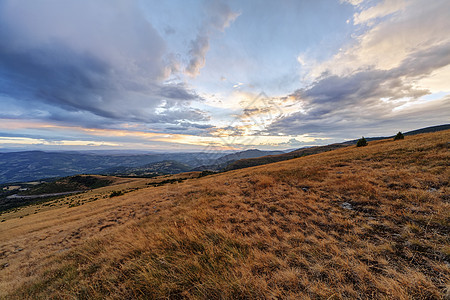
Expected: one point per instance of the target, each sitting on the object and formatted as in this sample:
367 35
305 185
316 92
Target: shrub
115 194
206 173
361 142
399 136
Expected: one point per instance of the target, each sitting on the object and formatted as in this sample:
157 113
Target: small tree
361 142
399 136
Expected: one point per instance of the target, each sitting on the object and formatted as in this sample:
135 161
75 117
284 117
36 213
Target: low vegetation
368 223
115 194
361 142
399 136
206 173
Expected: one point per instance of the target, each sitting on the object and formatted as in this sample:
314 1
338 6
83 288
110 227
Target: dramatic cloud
376 83
219 17
99 58
337 105
409 28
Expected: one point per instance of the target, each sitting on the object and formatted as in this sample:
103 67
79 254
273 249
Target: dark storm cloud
365 100
98 58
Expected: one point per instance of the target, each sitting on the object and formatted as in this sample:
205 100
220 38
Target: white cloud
219 17
384 45
352 2
301 59
437 81
382 9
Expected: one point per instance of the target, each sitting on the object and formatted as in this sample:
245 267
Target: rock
347 205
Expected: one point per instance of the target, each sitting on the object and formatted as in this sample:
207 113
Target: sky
194 75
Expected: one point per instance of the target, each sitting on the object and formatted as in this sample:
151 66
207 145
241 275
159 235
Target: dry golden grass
368 223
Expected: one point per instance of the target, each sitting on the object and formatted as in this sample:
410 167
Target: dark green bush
361 142
399 136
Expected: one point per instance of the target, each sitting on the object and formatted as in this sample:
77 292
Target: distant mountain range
34 165
429 129
175 167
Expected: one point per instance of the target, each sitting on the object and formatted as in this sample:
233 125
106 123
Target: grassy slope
258 233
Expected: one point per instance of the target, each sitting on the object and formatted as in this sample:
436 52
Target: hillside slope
368 223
